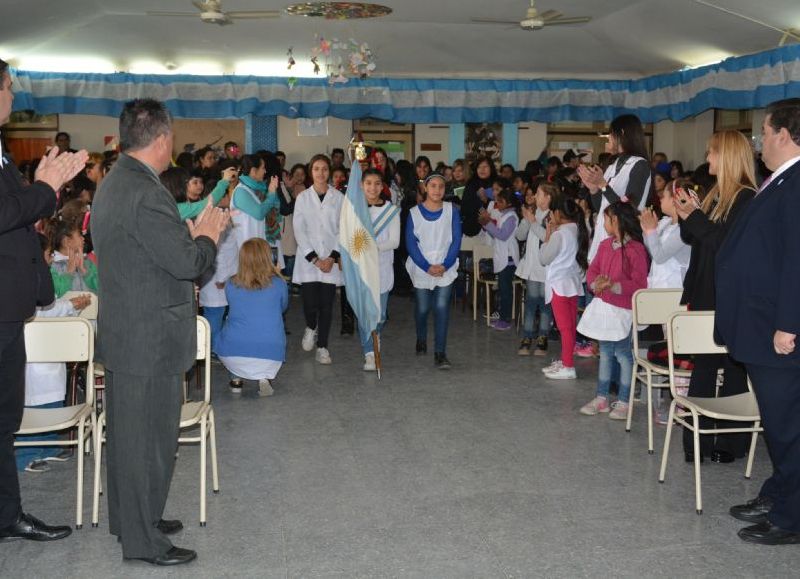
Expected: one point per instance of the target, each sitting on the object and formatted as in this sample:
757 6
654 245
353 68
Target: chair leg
474 298
649 386
79 453
488 299
667 439
213 440
697 483
98 449
630 398
752 453
203 435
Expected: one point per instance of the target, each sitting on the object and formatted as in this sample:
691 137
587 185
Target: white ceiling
626 38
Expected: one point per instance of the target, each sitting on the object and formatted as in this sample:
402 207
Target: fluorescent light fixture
700 58
66 64
148 67
202 68
303 69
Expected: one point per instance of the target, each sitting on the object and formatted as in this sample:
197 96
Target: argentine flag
359 255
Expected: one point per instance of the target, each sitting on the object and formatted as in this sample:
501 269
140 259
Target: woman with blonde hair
252 344
704 226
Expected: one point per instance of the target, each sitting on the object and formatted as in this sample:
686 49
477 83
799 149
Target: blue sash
384 218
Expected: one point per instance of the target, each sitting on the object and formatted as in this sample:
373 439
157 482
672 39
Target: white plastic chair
192 413
62 340
650 307
693 333
482 251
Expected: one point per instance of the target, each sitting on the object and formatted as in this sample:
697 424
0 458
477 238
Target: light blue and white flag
360 255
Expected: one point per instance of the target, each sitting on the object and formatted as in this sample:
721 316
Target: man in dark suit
758 318
147 261
25 282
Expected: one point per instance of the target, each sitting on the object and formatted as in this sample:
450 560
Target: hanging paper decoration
342 59
291 58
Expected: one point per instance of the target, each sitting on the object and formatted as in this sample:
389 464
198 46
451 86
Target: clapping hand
551 227
81 302
483 216
686 202
75 261
592 176
210 223
273 184
648 220
56 170
229 174
602 283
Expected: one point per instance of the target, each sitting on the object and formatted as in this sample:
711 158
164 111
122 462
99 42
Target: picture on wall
29 120
483 139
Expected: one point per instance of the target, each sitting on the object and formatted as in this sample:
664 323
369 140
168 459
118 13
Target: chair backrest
89 312
693 333
62 340
204 353
480 251
467 243
655 306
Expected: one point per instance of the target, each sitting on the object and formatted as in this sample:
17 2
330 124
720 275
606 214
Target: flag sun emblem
359 242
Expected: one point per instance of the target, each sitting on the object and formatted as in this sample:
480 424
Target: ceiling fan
534 20
786 32
211 13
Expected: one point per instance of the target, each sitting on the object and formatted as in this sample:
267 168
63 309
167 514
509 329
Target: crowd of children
582 237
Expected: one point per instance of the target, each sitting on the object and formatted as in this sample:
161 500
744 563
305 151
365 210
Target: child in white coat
317 269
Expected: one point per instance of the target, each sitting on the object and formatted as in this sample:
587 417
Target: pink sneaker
597 405
584 351
619 411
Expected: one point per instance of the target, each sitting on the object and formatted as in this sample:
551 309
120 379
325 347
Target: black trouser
318 301
348 315
143 417
703 384
12 402
778 394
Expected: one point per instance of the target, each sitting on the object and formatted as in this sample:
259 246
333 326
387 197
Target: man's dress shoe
754 511
175 556
768 534
30 528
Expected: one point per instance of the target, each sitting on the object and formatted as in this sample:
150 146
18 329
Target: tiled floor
484 471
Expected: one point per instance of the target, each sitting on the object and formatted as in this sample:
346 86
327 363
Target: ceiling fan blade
550 15
242 14
578 20
182 14
493 21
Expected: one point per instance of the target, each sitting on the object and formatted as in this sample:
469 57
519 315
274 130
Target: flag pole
377 350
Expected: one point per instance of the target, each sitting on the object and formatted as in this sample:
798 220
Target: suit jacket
758 277
705 238
25 280
146 261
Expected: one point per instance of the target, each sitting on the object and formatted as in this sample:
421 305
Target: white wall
532 139
686 140
301 149
432 134
88 131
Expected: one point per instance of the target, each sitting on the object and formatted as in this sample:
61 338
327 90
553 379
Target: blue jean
366 338
505 287
534 299
615 355
439 299
214 317
288 262
25 455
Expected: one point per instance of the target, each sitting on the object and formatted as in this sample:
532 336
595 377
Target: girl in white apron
663 241
317 269
627 179
433 240
500 233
